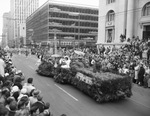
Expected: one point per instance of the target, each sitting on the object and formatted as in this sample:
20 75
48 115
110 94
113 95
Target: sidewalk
141 95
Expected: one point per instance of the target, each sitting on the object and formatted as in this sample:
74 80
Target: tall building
20 10
71 23
123 17
6 30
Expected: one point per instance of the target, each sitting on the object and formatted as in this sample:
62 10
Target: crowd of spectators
18 98
131 58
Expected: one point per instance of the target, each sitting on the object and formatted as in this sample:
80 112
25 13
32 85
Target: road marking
48 84
139 103
31 67
66 92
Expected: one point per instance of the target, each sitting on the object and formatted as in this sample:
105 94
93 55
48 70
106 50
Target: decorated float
101 85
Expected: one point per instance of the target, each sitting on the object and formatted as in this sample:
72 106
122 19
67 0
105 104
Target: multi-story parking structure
70 23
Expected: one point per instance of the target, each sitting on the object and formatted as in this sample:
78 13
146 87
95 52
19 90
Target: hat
23 90
13 106
39 97
6 74
10 62
36 92
24 98
18 72
47 105
15 89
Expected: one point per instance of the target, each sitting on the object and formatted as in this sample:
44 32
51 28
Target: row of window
73 9
146 10
110 1
71 16
111 14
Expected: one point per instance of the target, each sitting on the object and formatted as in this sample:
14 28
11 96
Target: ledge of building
111 44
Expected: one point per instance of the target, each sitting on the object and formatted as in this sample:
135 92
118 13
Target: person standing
2 66
136 69
141 75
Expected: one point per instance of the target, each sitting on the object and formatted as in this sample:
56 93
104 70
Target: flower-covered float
97 81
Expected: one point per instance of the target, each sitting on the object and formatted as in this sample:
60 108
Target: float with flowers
98 81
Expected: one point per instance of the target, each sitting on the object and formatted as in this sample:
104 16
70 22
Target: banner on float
84 78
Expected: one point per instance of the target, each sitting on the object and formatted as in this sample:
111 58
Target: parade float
102 86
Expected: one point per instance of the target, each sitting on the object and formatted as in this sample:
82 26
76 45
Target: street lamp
55 39
30 38
75 14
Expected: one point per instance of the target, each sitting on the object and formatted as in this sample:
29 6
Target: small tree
81 44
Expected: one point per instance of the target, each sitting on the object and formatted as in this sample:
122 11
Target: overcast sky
5 6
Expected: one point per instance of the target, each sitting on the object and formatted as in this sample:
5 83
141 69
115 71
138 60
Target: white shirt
2 67
144 54
67 65
29 87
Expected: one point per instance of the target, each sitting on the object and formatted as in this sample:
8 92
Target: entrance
110 32
146 32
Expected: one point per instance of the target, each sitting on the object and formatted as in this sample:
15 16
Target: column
55 43
130 19
106 35
113 35
24 41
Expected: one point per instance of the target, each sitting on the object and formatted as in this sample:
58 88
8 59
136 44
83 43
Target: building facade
6 30
20 10
123 17
71 24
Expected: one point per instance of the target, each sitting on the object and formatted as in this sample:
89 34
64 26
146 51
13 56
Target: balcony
110 23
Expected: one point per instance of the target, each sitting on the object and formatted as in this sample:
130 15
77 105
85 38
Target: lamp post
30 38
55 39
75 14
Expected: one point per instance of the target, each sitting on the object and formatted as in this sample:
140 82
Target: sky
5 6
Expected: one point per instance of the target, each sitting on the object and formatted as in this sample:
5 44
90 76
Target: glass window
110 1
109 36
146 10
111 16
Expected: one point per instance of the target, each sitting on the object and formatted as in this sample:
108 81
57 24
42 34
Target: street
66 99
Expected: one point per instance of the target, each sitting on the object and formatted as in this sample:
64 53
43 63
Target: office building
71 23
20 10
6 30
130 18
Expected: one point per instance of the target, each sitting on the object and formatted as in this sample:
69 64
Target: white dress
136 72
2 67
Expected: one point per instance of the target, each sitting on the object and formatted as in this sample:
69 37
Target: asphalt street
69 100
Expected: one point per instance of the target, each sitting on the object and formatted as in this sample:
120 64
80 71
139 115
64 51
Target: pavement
69 100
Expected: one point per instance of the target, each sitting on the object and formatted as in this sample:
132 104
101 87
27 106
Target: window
109 39
146 9
110 1
111 16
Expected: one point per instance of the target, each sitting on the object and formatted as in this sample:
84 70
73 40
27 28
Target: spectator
47 110
38 107
136 73
2 66
12 108
147 76
33 98
29 85
3 110
141 75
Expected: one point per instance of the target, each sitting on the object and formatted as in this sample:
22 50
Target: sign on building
22 30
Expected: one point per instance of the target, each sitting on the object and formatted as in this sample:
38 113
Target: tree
81 44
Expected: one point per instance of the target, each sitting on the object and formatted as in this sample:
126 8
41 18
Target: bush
104 86
63 76
101 86
46 69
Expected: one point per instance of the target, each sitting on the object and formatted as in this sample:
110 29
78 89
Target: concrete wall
140 20
119 7
128 15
